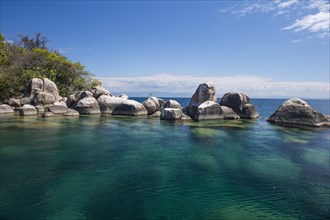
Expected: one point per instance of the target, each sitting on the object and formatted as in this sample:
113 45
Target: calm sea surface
106 167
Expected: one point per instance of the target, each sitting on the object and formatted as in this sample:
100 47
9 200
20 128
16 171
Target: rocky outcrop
6 109
88 106
208 110
172 104
40 91
170 114
205 92
130 107
28 110
240 103
297 112
109 103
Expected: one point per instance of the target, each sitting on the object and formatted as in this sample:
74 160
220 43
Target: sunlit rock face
152 105
204 92
88 106
28 110
109 103
5 109
240 103
297 112
172 104
130 107
40 91
170 114
208 110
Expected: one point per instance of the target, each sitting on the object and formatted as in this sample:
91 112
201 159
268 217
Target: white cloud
296 41
185 85
305 16
287 3
315 23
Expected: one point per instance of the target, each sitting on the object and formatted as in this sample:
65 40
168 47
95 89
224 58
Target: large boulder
97 91
240 103
172 104
5 109
35 85
151 104
14 102
57 109
109 103
88 106
44 98
130 107
205 92
170 114
297 112
208 110
27 110
51 88
40 91
228 113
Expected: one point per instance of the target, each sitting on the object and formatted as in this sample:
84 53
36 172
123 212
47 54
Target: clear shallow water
106 167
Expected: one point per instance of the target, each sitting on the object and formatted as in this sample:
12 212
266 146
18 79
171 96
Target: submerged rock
240 103
48 114
170 114
5 109
71 113
205 92
88 106
130 107
27 110
297 112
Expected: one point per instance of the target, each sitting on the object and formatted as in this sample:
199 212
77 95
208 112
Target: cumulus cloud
185 85
303 16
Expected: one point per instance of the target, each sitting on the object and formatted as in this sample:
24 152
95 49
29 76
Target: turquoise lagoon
106 167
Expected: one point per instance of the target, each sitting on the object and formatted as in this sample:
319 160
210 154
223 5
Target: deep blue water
107 167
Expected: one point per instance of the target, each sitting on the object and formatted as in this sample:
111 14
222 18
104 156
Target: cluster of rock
203 105
42 96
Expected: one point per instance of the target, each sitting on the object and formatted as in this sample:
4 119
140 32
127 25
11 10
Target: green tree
30 58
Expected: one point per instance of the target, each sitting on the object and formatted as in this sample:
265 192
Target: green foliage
29 59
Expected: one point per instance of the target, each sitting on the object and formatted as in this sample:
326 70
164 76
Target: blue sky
265 48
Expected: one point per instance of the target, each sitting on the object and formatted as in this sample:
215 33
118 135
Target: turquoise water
106 167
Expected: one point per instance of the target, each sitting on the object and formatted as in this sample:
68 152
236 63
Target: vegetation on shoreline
30 58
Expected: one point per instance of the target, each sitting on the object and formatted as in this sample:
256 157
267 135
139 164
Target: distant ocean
115 167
